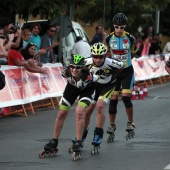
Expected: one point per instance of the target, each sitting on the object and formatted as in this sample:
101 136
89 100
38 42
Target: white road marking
167 167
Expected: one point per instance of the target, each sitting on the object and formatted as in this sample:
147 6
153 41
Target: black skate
50 149
77 147
98 135
70 149
111 131
130 133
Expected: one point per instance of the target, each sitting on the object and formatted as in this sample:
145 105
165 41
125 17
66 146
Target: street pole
157 20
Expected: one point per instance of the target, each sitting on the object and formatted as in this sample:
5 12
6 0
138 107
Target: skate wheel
76 156
41 155
70 149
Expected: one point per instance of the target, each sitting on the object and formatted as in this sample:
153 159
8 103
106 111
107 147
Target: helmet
78 60
120 19
98 49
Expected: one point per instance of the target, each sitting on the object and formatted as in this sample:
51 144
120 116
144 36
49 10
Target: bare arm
3 52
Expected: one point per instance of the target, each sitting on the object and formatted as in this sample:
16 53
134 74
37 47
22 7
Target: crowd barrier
150 69
23 87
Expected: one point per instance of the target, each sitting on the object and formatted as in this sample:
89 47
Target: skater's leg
80 122
128 105
100 116
89 111
59 122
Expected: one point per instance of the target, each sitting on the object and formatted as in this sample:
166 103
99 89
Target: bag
2 80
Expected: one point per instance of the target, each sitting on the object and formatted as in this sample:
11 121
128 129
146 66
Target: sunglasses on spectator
98 56
119 27
33 44
53 31
76 67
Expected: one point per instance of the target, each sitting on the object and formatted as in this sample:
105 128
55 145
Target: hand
11 37
42 51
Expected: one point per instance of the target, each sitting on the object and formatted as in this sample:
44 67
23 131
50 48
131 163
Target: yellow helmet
98 49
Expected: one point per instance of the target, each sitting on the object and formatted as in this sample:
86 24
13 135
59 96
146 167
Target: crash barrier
150 69
23 87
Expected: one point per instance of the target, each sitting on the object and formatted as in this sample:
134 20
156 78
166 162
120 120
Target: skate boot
74 140
77 147
98 135
50 149
111 131
130 133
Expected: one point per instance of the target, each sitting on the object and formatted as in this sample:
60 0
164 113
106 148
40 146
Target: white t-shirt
82 48
166 49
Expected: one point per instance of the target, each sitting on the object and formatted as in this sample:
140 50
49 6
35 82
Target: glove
66 72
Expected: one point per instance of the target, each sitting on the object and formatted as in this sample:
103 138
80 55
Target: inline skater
107 70
122 46
79 83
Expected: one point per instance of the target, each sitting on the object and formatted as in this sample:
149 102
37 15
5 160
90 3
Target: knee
127 101
99 107
62 114
113 106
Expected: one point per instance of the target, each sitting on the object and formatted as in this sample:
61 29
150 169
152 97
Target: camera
168 63
14 29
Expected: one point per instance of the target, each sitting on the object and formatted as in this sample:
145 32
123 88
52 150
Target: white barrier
24 87
149 67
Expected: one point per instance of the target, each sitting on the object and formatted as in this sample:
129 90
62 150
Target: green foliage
139 12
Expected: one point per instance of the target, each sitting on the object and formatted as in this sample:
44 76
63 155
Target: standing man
48 45
99 36
122 47
81 47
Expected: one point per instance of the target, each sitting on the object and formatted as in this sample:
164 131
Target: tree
139 12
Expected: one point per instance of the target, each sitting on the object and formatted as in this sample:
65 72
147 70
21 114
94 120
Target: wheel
70 149
41 154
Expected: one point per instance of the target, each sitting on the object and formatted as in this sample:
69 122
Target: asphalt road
22 138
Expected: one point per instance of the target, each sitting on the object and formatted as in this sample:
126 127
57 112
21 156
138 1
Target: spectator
48 45
35 38
3 52
99 36
15 58
56 38
144 47
81 47
26 35
6 25
166 49
29 53
154 48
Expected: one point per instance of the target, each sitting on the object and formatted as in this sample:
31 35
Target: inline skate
98 135
76 149
74 141
111 131
130 133
50 149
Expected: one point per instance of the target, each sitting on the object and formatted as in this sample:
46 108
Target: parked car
67 42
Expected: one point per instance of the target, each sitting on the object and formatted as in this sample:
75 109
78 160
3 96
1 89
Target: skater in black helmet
122 46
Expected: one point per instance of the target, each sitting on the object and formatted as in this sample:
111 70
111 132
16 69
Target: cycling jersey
122 47
85 79
107 71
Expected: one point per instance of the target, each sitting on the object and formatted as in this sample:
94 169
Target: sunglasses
119 27
33 44
98 56
76 67
53 31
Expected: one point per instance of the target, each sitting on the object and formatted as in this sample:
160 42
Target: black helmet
120 19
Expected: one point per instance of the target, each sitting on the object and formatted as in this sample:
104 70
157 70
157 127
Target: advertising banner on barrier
24 87
149 67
